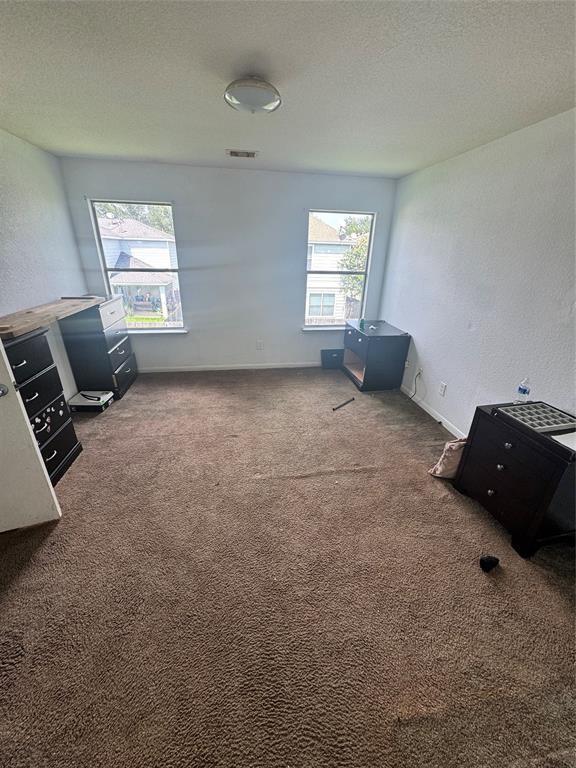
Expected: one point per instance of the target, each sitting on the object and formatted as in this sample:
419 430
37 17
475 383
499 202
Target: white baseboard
229 367
434 413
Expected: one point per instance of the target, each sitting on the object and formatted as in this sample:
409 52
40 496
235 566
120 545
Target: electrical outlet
259 345
442 388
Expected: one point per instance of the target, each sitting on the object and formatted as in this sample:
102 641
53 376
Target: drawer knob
128 370
29 399
42 428
121 351
500 467
359 339
508 446
49 458
491 492
19 365
349 333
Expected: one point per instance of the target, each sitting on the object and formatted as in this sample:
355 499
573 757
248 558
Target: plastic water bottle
523 391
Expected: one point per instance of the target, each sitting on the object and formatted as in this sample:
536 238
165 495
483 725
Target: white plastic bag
447 464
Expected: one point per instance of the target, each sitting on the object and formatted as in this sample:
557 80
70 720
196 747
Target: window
138 252
339 246
321 304
309 257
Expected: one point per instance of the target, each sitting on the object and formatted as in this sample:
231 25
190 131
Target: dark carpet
243 578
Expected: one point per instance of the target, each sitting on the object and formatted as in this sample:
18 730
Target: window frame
365 272
106 270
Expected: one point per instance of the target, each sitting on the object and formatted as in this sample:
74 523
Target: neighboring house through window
138 252
321 304
339 245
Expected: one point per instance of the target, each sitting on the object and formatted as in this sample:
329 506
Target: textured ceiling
380 88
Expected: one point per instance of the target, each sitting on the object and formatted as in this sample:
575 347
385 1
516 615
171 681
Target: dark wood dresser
375 355
38 383
524 478
98 348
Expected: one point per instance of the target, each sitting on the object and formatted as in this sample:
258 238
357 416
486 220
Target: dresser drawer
28 358
40 391
58 447
511 472
356 342
111 311
49 421
115 333
125 375
487 487
120 353
503 449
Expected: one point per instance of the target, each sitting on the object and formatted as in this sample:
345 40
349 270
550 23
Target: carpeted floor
243 578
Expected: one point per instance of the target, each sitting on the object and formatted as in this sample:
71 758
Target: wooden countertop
26 320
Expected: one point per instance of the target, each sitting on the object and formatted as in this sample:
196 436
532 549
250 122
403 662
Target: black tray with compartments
538 416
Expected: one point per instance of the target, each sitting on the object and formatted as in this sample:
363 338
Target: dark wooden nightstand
375 355
524 478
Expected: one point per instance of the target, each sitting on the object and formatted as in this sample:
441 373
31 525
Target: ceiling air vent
241 153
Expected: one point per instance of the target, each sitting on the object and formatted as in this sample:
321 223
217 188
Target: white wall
241 239
481 272
39 260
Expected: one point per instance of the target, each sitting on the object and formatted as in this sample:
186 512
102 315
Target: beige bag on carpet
447 464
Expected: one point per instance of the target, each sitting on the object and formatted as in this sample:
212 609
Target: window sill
308 328
156 331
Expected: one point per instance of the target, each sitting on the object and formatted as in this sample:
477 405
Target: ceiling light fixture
252 94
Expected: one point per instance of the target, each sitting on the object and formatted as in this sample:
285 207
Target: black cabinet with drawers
38 383
375 355
99 348
524 478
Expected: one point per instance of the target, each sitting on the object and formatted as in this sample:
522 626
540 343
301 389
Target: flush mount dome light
252 94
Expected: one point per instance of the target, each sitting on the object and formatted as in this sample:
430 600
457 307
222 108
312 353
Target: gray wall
39 260
481 272
241 239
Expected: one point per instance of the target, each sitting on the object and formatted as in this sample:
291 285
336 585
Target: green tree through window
356 257
158 216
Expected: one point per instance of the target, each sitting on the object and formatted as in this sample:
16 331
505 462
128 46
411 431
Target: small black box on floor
332 358
90 401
